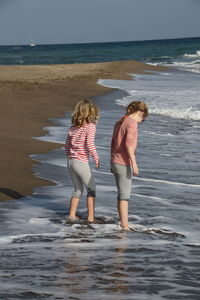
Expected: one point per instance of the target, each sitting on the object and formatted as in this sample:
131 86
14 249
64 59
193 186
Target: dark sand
29 96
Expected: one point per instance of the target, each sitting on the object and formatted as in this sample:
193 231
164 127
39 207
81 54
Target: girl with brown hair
123 159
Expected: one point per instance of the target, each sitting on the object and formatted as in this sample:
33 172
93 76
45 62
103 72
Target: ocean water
44 256
173 52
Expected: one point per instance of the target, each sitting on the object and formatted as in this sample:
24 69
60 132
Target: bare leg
73 207
123 213
90 207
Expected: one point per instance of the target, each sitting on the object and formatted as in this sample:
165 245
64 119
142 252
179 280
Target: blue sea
173 52
44 256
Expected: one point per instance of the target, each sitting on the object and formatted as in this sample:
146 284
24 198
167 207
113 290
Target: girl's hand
135 171
98 165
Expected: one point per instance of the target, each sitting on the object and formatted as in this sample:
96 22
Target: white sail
32 44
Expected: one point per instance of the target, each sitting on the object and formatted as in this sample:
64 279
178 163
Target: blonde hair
134 107
85 112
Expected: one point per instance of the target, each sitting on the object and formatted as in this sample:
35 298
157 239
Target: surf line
154 180
167 182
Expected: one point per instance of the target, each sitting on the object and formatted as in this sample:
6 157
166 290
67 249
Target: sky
86 21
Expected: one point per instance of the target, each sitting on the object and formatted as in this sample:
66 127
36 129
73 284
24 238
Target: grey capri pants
81 175
123 179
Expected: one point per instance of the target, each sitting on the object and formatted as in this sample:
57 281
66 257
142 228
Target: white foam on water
55 135
176 95
196 62
20 237
149 180
62 162
188 62
136 217
159 134
187 66
167 182
166 230
39 221
188 113
167 202
197 54
166 154
160 199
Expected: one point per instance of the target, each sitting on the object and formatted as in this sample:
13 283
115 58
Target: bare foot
90 220
73 218
124 228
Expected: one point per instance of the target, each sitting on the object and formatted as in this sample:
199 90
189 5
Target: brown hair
137 106
134 107
85 112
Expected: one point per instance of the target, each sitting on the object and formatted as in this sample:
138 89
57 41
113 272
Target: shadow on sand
12 194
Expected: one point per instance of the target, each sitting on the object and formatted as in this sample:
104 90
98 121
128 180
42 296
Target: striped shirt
80 143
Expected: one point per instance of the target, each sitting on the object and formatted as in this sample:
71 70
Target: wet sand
29 96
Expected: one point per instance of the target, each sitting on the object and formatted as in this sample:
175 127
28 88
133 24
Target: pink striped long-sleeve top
80 143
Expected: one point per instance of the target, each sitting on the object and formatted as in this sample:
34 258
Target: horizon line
84 43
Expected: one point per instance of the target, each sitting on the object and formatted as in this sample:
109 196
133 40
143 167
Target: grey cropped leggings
81 175
123 179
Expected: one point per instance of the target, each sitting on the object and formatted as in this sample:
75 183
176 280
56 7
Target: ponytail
122 120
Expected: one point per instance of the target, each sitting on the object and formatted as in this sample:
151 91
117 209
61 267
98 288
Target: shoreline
30 96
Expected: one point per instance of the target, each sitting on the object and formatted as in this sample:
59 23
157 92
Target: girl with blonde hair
123 159
79 147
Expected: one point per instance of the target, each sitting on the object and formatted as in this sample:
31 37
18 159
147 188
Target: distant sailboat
32 44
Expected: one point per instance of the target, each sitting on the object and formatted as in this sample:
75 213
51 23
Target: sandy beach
30 95
46 256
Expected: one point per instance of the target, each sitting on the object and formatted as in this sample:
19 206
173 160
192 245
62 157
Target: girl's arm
131 153
112 145
112 141
67 145
131 145
90 143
